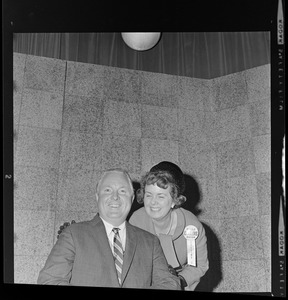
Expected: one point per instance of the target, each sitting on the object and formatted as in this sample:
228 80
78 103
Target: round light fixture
141 40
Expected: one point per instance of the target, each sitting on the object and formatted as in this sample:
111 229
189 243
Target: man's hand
62 227
182 279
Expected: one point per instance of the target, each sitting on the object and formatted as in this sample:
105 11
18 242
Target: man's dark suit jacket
82 256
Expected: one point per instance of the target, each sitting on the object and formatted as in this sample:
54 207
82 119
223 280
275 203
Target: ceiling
200 39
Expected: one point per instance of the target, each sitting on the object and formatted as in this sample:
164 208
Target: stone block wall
72 120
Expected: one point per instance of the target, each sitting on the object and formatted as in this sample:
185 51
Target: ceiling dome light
141 40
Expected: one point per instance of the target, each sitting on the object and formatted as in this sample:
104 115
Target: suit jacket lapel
105 250
131 242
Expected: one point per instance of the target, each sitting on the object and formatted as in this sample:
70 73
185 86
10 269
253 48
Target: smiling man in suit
107 251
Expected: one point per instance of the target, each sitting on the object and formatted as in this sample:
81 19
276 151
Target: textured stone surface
243 276
85 80
33 232
159 122
27 268
15 141
38 147
19 60
229 91
18 79
210 204
46 74
41 109
235 158
35 188
158 89
198 160
227 124
122 118
194 94
263 181
122 85
260 117
268 275
241 238
237 196
258 83
17 98
80 150
77 190
153 151
262 152
191 126
83 114
266 235
218 131
121 151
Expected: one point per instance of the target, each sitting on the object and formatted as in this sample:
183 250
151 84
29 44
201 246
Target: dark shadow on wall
135 204
213 276
193 195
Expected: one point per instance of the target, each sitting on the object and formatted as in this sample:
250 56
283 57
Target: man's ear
96 197
133 197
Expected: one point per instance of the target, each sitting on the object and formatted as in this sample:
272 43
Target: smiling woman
157 201
161 191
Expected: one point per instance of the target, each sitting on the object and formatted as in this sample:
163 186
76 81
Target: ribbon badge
191 233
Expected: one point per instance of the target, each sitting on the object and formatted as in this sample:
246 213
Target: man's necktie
118 253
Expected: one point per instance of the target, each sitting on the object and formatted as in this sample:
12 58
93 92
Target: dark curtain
199 54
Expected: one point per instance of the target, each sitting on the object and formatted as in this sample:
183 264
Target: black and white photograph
145 160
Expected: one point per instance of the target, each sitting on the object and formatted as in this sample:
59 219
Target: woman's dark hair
164 174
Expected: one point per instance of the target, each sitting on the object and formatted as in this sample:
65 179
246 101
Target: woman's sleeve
192 274
133 220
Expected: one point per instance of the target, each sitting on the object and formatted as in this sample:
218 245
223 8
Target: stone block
35 188
154 151
258 83
33 232
80 150
229 91
46 74
122 118
83 114
158 89
262 153
123 152
38 147
122 85
77 190
27 268
41 109
159 122
235 158
85 80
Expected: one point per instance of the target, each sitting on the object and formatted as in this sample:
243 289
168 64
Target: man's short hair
120 170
